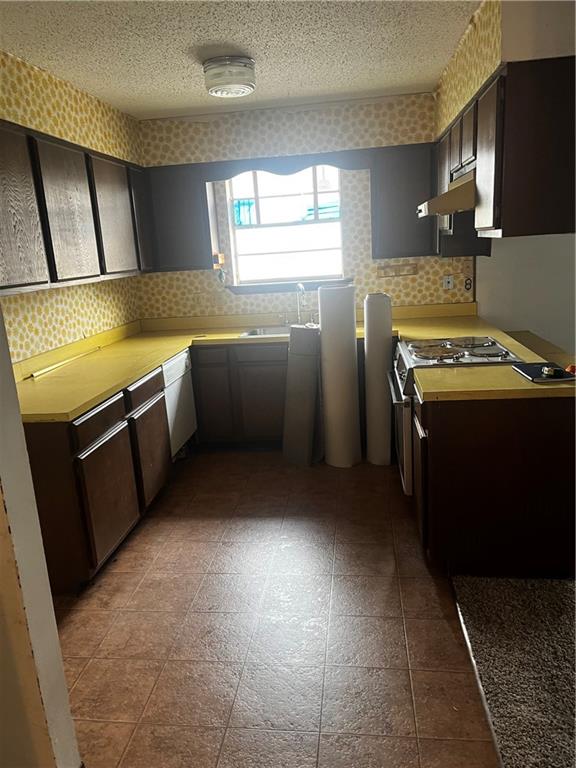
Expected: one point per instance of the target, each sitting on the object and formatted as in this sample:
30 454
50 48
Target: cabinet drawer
89 426
143 389
211 355
260 353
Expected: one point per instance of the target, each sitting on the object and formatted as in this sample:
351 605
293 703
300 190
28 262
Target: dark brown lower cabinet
108 491
419 466
240 392
497 485
151 447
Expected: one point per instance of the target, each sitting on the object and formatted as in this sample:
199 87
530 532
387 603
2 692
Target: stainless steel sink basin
271 330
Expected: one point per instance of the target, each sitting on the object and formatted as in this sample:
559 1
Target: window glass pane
288 266
277 184
244 212
283 239
329 205
276 210
327 178
243 185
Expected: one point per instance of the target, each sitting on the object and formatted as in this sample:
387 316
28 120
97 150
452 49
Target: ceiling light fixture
230 77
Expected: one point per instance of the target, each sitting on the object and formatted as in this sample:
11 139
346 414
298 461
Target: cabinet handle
395 400
422 434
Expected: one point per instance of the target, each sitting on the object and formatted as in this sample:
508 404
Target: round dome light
230 77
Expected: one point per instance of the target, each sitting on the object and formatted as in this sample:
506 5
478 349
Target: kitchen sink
271 330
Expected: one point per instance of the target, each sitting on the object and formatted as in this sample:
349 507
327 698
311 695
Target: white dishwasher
179 396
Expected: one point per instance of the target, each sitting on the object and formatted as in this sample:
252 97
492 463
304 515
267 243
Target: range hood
461 196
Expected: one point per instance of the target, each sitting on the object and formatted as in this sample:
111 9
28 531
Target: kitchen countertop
73 388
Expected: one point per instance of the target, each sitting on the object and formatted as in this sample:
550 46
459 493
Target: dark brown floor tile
286 698
413 563
370 531
72 669
297 595
289 640
135 557
353 559
244 748
307 480
214 637
196 528
193 693
81 632
308 528
169 746
101 744
436 644
302 557
448 706
406 532
320 505
229 592
458 754
427 599
340 751
114 689
182 556
165 592
214 504
366 641
268 480
376 702
109 590
245 528
140 635
242 557
270 505
366 596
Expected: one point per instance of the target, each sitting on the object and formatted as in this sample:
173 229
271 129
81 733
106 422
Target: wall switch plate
448 282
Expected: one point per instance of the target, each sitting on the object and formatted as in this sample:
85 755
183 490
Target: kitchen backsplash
477 56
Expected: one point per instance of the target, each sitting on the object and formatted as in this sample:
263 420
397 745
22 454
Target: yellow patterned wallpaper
289 131
43 320
34 98
477 56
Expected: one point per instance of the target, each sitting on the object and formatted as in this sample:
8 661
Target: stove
455 352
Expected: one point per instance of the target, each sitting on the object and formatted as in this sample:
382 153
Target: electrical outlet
448 282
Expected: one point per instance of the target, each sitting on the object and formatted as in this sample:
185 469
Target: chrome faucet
300 294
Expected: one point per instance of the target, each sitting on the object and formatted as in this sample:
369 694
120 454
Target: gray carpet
522 637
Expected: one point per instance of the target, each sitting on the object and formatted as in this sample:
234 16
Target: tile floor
266 616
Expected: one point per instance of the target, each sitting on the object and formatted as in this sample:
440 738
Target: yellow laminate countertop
73 388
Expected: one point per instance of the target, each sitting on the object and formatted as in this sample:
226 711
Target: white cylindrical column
339 366
378 361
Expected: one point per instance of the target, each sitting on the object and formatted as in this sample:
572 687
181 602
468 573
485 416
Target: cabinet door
181 222
261 397
213 391
114 209
456 146
488 158
151 444
22 252
468 151
444 222
142 202
69 209
108 487
401 178
419 476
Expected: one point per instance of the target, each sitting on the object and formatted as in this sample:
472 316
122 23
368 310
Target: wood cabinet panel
261 396
455 146
151 445
145 388
213 392
468 152
114 208
69 209
90 426
419 474
142 202
443 174
109 494
489 157
22 251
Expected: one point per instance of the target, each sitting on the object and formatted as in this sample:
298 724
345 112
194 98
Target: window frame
233 227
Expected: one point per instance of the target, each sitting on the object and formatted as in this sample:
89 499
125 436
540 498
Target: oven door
403 432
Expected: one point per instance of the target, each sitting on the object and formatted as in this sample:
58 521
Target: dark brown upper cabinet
142 202
468 138
113 213
525 153
444 222
22 250
456 146
70 223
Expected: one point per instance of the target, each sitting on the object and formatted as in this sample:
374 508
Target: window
286 228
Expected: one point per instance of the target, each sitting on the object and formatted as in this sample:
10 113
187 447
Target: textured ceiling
145 57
